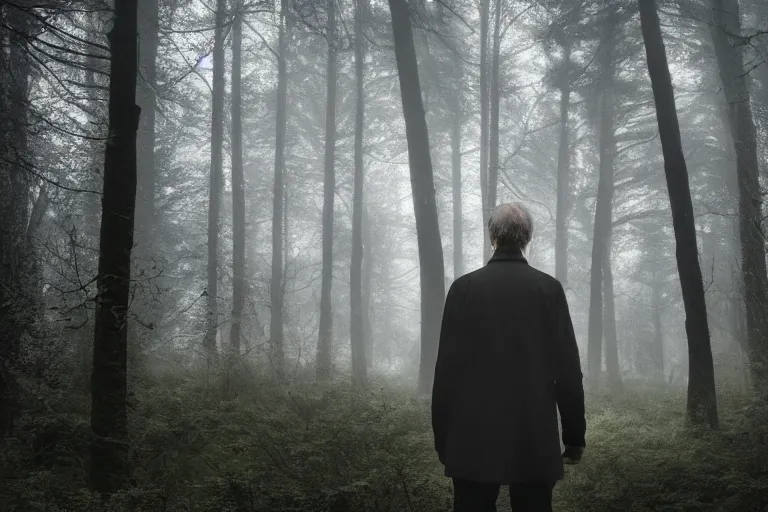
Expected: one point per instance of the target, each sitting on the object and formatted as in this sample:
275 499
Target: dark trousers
471 496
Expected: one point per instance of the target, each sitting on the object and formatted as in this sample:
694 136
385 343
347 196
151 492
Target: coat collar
508 255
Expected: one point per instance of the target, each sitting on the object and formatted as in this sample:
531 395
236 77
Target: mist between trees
227 228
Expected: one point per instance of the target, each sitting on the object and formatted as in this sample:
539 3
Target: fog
256 328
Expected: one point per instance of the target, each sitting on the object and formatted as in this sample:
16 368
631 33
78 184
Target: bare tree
214 201
356 304
702 401
324 361
485 7
432 271
238 182
724 31
495 106
276 290
605 189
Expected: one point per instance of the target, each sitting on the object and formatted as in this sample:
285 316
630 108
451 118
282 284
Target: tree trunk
325 335
603 207
657 349
214 198
431 267
456 185
238 183
493 157
563 171
367 327
357 330
485 6
611 337
109 468
145 147
276 286
734 78
16 309
702 401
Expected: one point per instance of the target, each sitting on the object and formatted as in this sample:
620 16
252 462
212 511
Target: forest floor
313 449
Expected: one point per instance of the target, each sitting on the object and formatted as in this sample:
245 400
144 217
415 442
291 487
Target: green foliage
312 448
642 457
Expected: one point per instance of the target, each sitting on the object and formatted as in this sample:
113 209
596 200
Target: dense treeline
227 229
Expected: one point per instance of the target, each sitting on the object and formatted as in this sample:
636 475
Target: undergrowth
331 449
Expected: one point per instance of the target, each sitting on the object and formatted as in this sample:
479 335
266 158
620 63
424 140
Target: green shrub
332 449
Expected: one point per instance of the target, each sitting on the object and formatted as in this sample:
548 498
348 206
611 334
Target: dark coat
507 361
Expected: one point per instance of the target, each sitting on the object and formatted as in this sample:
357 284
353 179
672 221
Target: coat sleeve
569 389
448 365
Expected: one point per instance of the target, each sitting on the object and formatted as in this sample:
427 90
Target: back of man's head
510 227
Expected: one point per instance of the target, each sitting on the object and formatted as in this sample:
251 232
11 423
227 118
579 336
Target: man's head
510 227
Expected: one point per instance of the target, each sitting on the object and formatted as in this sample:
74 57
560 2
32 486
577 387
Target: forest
228 227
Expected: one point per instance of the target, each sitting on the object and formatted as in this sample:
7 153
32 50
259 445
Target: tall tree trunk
147 314
702 401
611 336
325 335
276 286
485 6
432 272
730 180
17 311
493 150
424 55
367 324
657 349
214 201
238 183
563 172
357 330
730 62
603 207
456 185
145 147
109 467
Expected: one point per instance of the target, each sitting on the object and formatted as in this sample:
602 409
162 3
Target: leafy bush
315 448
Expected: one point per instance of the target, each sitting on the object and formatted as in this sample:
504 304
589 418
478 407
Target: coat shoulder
544 277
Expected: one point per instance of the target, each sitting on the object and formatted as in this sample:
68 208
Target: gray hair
510 226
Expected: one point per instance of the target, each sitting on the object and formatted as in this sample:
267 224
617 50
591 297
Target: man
507 361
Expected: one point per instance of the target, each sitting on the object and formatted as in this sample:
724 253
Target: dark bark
484 123
604 202
563 172
276 282
16 307
732 74
702 401
109 467
431 266
357 328
325 334
493 149
214 198
238 184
